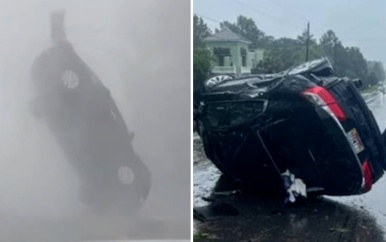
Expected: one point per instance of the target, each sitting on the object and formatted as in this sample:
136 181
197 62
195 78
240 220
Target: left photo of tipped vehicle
96 120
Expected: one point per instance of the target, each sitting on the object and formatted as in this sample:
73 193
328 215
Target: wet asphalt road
352 218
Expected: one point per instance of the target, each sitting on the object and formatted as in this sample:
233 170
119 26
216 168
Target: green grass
369 89
202 236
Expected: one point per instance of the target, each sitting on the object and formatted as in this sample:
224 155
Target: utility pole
308 40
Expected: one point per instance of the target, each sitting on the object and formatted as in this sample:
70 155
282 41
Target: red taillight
368 176
320 96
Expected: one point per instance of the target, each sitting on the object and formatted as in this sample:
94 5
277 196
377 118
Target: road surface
353 218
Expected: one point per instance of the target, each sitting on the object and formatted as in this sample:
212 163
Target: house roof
226 35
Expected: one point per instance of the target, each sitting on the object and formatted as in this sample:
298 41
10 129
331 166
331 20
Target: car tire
124 194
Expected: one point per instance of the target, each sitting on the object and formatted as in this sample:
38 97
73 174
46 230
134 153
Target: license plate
355 140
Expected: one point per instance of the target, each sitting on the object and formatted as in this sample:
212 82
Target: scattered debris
294 186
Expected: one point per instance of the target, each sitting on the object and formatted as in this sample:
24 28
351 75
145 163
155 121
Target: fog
141 52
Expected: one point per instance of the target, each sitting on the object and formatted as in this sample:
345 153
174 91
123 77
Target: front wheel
134 187
123 188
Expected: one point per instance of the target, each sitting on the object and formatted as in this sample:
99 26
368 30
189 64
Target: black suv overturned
303 120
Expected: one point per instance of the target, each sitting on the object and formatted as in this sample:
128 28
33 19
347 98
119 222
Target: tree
232 27
200 31
347 61
201 71
330 44
302 39
201 57
376 72
271 63
201 67
280 55
247 28
372 79
314 51
379 71
355 63
329 39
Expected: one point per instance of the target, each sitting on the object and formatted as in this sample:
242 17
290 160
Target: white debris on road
294 186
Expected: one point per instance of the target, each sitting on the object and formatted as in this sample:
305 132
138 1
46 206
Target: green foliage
283 53
201 57
347 61
372 79
302 39
247 28
203 237
376 73
201 66
280 55
200 31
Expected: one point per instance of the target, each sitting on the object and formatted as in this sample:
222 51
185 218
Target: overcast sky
358 23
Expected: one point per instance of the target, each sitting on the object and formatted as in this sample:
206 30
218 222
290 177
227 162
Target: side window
70 79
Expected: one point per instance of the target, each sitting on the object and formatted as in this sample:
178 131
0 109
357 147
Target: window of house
220 53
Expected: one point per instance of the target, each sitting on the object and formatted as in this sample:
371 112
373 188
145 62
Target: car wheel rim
70 79
126 175
217 79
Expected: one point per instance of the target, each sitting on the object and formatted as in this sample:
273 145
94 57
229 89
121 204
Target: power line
249 7
212 19
287 9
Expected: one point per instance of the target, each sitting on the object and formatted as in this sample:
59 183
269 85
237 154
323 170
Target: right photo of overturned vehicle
301 132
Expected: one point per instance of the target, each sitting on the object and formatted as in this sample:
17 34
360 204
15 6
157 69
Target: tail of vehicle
330 98
58 33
